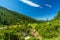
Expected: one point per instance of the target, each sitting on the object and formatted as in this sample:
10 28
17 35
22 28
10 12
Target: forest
16 26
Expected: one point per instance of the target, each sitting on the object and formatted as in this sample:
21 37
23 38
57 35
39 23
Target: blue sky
38 9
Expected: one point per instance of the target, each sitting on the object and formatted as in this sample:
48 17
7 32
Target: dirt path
36 34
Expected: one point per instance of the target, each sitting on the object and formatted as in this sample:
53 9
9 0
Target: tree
13 37
6 36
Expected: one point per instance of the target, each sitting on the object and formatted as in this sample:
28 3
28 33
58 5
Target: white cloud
31 3
48 5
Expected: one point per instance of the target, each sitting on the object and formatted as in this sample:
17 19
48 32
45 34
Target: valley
16 26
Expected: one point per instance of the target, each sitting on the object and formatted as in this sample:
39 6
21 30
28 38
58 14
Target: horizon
28 16
38 9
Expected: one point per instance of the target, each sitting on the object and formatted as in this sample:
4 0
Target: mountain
8 17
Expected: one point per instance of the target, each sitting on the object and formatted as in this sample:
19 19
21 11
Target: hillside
8 17
49 29
58 16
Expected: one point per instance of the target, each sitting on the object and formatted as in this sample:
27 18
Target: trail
36 34
33 32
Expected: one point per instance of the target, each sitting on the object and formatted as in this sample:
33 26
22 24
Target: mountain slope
8 17
58 16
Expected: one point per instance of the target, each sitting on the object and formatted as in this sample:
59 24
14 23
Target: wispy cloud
48 5
31 3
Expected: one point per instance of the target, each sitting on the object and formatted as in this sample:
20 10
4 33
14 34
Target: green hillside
50 28
8 17
57 16
28 27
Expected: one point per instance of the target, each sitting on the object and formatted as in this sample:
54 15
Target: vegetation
15 26
8 17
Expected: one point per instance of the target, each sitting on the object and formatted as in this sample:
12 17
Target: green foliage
10 36
57 17
13 37
17 26
17 32
8 17
48 29
6 36
33 38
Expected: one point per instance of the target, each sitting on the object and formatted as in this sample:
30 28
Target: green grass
57 38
